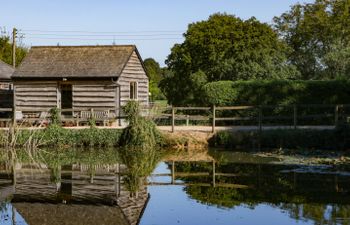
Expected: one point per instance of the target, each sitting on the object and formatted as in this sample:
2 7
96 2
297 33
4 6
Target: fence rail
258 116
334 114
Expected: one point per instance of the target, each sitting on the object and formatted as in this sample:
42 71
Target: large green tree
224 47
6 51
155 73
319 35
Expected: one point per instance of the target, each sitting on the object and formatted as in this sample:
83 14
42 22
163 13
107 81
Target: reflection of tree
140 163
319 213
55 175
289 191
222 197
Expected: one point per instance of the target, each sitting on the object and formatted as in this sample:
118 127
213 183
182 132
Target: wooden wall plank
94 96
133 72
35 95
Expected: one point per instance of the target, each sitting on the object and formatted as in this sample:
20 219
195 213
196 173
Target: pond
108 186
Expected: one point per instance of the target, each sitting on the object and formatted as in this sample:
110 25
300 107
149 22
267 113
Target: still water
105 187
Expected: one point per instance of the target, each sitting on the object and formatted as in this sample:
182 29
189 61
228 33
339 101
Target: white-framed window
133 90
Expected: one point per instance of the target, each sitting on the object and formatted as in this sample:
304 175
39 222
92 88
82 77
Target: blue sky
162 21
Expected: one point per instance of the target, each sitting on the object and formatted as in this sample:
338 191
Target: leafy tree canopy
156 74
225 47
319 35
6 51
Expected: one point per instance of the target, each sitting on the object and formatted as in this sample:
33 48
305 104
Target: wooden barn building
6 72
6 96
80 78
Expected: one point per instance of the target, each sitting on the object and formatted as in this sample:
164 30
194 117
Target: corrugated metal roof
74 61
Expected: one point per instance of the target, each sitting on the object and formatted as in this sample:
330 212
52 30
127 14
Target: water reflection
110 186
309 193
70 187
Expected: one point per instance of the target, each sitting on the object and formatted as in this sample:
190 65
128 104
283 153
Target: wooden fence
211 114
258 116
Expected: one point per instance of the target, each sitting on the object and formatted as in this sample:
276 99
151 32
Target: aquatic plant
140 132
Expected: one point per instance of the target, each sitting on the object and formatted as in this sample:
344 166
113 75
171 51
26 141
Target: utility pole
14 35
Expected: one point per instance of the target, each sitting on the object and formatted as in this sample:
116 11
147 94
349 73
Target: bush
277 92
141 132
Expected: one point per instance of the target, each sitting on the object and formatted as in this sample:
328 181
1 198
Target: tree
225 47
337 60
314 32
6 51
155 74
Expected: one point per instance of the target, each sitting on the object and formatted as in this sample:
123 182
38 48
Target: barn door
66 98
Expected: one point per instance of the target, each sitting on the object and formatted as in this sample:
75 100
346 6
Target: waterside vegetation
307 139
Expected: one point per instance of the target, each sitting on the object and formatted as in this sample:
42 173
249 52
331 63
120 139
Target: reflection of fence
259 176
174 174
293 116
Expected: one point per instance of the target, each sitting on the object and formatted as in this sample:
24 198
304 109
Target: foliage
277 92
55 116
155 74
57 136
66 156
220 93
225 47
6 51
139 143
140 163
293 194
140 132
316 32
337 139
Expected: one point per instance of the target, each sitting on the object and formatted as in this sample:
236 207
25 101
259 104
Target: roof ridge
80 46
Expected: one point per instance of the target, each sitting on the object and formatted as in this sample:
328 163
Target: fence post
187 120
336 115
295 120
172 119
173 172
213 122
14 122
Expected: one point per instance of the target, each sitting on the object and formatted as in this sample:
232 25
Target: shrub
141 132
55 115
277 92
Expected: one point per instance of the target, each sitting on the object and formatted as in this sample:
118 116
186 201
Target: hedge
276 92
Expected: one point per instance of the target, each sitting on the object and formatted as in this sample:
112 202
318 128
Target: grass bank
338 139
56 136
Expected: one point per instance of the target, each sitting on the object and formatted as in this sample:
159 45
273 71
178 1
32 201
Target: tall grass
141 132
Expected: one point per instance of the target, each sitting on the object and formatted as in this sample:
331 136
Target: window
133 90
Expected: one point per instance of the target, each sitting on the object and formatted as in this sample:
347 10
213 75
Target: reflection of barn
6 97
64 195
